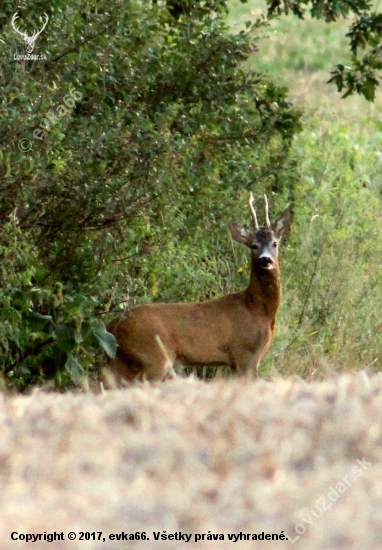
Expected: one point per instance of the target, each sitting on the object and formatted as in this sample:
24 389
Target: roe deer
234 330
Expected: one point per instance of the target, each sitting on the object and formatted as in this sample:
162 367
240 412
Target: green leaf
65 337
74 368
22 301
36 321
106 340
369 89
74 305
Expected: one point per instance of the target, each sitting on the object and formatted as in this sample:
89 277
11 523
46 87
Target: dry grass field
192 457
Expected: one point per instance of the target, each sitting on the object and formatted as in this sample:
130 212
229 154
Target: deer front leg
247 359
246 364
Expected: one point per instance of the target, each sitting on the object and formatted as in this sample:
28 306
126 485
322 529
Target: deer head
29 40
263 241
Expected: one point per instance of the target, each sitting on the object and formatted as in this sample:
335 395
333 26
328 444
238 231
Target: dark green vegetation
147 131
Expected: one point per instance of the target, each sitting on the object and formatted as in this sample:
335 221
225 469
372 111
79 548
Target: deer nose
265 261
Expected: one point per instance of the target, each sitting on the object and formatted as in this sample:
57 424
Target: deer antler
43 27
266 211
252 210
14 18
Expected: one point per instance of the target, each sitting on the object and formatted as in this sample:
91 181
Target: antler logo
29 40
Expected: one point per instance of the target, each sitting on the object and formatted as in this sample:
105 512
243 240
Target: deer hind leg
158 370
155 358
147 362
118 372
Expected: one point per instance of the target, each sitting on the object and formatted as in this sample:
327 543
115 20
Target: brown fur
234 330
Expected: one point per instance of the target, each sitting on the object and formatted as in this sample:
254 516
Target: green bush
44 330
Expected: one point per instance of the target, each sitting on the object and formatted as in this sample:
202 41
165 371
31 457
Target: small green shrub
45 332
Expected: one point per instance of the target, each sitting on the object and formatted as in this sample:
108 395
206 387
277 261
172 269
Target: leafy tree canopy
365 39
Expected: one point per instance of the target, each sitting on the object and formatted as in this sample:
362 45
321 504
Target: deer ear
241 234
282 224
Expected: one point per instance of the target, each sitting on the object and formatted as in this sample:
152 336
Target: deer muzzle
266 262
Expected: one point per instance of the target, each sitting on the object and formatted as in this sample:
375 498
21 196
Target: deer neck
264 290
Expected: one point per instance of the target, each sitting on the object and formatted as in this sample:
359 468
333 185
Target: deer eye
274 244
255 246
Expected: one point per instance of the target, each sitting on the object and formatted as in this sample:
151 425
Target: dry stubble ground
194 457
